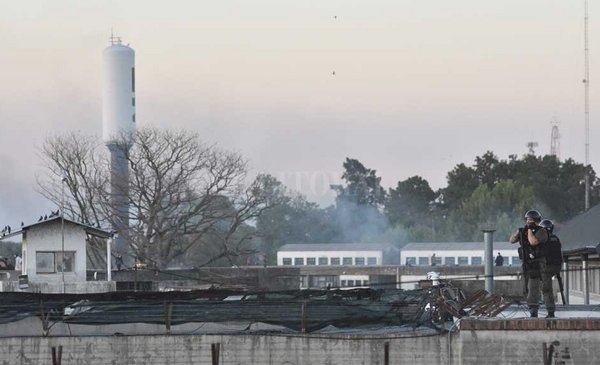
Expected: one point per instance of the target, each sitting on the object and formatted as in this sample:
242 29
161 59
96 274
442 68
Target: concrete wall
466 347
523 347
234 349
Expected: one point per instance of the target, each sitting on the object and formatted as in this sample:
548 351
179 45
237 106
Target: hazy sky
419 86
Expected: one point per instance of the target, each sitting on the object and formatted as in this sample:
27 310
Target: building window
52 262
133 79
347 261
423 261
476 260
287 261
344 283
311 261
298 261
132 101
371 260
516 260
133 117
463 260
365 282
350 282
335 261
360 261
435 260
411 261
358 283
322 260
449 261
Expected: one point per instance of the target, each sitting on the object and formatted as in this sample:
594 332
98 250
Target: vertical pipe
398 278
108 259
215 349
168 316
62 232
304 315
586 285
566 278
488 237
386 353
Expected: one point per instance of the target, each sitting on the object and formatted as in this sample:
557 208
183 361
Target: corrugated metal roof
439 246
89 229
337 247
581 231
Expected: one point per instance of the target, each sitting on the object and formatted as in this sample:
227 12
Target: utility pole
586 83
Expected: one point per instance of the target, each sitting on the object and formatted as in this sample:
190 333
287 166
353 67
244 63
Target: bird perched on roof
41 218
45 217
22 224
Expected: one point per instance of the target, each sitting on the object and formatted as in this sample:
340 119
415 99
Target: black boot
534 313
550 314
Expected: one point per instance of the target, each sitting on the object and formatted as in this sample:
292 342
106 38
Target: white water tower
118 125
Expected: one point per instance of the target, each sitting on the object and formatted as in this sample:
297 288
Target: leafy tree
411 202
357 209
362 186
295 220
182 194
500 208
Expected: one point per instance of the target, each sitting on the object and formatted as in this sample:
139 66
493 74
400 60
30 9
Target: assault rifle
560 287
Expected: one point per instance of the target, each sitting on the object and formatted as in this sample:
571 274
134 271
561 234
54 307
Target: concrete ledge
530 324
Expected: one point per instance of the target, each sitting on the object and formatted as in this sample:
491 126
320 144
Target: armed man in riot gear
532 239
553 254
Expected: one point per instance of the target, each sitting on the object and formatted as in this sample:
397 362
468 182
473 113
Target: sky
419 86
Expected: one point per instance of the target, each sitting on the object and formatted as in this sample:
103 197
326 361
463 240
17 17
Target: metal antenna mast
586 83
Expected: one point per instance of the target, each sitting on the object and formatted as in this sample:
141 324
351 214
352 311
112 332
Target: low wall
57 287
233 349
463 347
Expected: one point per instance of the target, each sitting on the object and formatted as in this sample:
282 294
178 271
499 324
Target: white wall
508 254
329 254
47 237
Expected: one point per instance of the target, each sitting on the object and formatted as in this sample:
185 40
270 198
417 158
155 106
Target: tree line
489 194
193 204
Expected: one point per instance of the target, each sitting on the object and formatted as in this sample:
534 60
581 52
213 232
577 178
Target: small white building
336 254
55 254
339 254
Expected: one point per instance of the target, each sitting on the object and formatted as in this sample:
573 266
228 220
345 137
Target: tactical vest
553 250
527 251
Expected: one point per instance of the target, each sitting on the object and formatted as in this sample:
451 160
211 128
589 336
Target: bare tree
183 195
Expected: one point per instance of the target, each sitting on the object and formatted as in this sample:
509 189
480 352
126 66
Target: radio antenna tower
586 83
555 140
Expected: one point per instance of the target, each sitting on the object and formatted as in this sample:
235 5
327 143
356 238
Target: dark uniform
553 255
534 264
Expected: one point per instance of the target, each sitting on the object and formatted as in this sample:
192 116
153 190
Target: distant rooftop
338 247
433 246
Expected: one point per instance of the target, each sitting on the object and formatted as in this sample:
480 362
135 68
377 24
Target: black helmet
547 223
533 214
